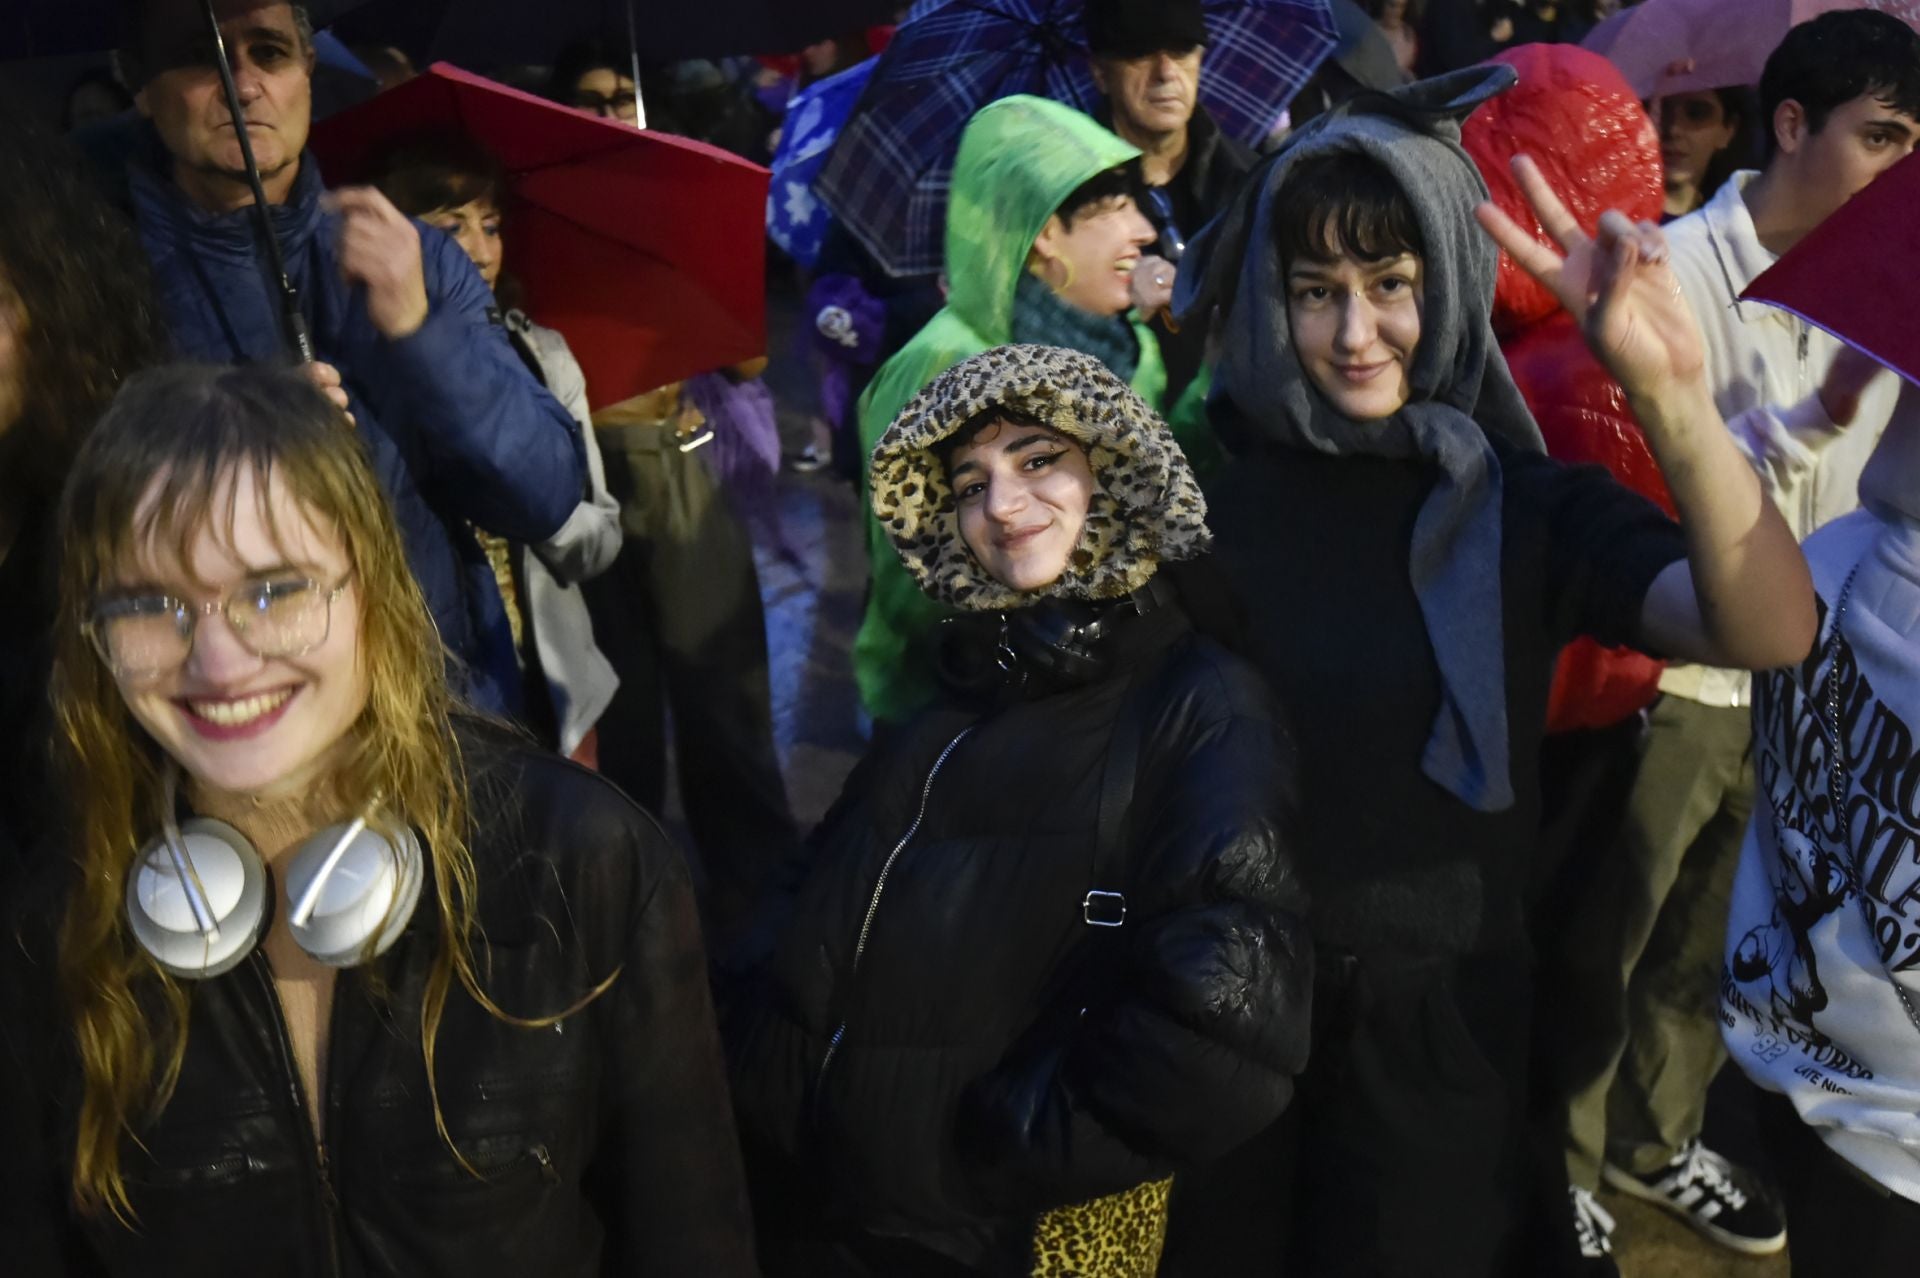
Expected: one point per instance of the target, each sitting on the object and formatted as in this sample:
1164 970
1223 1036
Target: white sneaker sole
1631 1185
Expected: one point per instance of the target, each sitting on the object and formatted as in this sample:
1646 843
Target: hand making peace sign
1617 284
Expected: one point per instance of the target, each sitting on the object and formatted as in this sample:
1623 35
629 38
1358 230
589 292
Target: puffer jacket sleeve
503 453
1193 1049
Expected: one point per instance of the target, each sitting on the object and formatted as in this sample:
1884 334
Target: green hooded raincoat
1019 159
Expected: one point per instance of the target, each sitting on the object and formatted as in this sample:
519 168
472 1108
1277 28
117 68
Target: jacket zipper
548 1172
536 1158
323 1168
873 906
221 1171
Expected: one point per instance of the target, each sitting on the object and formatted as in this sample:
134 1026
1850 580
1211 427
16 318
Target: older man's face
1151 94
272 69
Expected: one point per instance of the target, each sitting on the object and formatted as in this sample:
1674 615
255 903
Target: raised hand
1617 284
380 248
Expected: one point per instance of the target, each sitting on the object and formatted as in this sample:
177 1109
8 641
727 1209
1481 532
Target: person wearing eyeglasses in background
332 973
679 613
1146 58
595 76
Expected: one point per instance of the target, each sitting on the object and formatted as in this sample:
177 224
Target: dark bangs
160 467
1343 205
425 174
1099 191
975 426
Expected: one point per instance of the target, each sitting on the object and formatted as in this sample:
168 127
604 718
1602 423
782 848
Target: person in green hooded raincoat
1044 245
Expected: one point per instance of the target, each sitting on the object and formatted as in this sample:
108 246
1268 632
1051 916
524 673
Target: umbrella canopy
1838 277
887 177
486 33
646 251
58 28
1681 46
796 219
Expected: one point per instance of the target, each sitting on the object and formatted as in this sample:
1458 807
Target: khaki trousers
1642 956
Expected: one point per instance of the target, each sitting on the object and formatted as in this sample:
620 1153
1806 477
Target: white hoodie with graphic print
1823 939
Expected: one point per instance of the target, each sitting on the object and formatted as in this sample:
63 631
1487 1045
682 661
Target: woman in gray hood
1411 562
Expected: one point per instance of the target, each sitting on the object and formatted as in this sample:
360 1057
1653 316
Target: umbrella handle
293 324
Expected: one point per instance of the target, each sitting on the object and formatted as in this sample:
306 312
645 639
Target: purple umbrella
886 179
1680 46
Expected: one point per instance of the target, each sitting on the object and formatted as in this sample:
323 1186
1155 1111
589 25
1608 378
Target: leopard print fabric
1119 1236
1146 506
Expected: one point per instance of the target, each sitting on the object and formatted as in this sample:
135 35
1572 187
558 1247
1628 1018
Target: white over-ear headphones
197 897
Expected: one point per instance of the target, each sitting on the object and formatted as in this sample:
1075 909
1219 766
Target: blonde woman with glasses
333 976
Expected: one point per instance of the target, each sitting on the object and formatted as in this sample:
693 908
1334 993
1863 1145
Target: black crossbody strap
1105 904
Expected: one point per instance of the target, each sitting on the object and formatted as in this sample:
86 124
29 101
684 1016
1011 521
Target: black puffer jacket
916 1042
606 1144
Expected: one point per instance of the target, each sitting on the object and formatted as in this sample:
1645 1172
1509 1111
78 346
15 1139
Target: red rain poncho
1574 114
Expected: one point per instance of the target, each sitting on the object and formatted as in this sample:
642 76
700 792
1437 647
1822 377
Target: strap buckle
1104 909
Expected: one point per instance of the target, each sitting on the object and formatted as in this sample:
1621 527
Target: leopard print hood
1146 505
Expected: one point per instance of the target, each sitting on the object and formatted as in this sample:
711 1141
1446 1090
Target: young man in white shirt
1841 96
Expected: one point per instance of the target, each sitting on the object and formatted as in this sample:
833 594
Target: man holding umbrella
459 432
1145 57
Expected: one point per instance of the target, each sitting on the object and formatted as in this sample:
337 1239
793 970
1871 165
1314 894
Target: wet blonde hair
158 471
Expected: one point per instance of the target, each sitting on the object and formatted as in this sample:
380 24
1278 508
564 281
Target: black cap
1135 28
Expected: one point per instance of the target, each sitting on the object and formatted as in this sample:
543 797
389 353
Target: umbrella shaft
292 323
633 52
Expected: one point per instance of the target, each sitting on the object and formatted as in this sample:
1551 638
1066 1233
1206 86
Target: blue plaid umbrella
796 219
886 179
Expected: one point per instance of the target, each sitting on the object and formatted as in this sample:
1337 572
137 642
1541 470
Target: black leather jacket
605 1144
938 1042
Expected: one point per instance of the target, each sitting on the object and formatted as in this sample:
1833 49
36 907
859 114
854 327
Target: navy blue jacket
460 434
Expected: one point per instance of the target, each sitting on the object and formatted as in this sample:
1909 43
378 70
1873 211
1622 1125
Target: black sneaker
1723 1202
1592 1234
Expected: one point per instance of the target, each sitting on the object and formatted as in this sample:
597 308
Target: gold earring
1042 269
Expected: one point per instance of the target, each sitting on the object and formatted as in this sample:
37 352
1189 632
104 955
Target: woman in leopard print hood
1035 408
1047 948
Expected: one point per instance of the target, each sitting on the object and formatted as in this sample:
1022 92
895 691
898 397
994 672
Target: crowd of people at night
1389 650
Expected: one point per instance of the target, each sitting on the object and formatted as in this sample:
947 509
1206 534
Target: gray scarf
1461 388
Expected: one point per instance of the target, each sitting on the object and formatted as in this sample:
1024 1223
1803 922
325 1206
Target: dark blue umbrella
886 179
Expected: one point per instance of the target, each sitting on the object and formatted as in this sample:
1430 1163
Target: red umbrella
1679 46
1852 273
647 251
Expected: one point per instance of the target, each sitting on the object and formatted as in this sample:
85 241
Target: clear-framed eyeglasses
622 104
142 637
